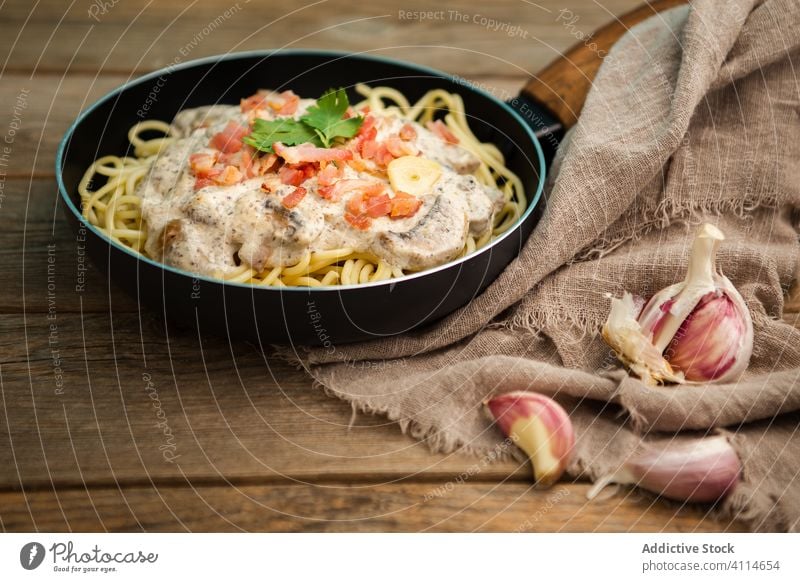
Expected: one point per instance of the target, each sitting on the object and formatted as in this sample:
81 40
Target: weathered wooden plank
35 113
505 37
406 507
46 264
98 399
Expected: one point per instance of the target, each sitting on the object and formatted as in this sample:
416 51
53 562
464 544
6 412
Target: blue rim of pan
62 146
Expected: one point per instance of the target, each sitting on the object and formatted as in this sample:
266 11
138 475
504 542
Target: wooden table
113 420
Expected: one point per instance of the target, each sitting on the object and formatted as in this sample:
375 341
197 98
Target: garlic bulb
703 470
699 330
540 427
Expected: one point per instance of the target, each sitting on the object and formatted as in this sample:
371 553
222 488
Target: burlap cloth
694 116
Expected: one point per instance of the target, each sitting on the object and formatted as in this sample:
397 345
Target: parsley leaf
320 126
326 117
286 130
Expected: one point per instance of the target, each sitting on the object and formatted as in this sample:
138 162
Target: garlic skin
624 334
699 330
703 470
540 427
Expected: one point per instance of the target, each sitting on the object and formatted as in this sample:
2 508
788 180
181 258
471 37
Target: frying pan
527 130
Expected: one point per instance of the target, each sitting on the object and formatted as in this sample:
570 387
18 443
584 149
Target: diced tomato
359 221
441 130
229 140
407 132
309 153
404 205
293 199
202 163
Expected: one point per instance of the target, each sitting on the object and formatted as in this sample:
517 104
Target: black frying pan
527 131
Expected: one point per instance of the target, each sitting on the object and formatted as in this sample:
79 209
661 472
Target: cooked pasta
115 206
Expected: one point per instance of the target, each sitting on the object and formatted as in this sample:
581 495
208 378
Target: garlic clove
709 344
540 427
625 336
702 470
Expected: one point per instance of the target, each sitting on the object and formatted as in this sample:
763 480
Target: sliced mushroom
481 205
438 237
270 234
195 247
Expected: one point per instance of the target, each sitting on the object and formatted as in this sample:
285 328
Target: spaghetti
116 208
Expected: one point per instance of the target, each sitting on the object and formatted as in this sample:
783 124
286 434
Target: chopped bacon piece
376 206
441 130
266 163
407 132
399 148
207 178
293 199
229 140
202 163
359 221
377 152
292 176
368 129
340 187
229 159
309 153
367 203
285 103
368 149
246 162
355 205
257 101
328 175
404 205
383 157
230 175
288 105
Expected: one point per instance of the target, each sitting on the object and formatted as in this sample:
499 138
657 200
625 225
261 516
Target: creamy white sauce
205 231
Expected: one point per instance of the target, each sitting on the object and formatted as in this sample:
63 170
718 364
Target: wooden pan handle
562 85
